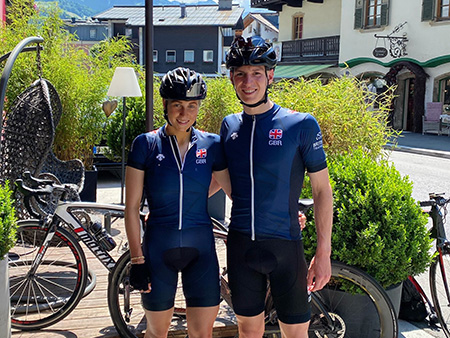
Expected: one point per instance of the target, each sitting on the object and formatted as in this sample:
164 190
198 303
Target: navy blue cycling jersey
177 190
267 156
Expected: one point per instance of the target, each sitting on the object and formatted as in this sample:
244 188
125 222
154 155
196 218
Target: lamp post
124 83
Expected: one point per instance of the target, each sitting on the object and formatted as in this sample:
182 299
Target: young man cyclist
268 148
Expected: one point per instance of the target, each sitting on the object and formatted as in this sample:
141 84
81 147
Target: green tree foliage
81 78
377 225
220 101
7 220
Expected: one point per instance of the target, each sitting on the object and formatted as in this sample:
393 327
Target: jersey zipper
180 164
252 180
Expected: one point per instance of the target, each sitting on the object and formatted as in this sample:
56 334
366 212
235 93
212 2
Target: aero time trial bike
49 274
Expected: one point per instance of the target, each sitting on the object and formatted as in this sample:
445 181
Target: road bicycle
48 271
440 268
49 275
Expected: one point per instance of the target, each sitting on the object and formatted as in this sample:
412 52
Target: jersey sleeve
138 152
220 162
311 147
223 136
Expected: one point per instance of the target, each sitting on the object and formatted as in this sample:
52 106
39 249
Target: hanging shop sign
380 52
397 44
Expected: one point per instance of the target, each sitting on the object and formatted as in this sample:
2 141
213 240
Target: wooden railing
316 49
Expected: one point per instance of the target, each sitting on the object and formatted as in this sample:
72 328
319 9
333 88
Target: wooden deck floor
91 317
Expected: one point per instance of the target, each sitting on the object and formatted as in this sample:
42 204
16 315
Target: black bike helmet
253 52
182 84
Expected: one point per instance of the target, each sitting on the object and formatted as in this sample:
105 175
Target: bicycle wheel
362 310
124 302
43 296
439 279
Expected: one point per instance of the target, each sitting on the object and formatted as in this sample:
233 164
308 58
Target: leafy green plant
7 220
81 78
220 101
377 225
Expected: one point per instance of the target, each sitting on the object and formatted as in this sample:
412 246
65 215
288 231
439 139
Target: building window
227 32
371 13
443 9
129 32
171 56
188 56
93 33
298 27
155 55
208 56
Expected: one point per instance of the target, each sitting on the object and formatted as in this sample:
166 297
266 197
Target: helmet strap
166 115
192 126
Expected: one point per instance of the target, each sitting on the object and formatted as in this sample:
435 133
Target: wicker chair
27 136
69 172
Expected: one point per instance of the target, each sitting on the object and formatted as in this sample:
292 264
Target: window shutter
384 13
359 14
428 10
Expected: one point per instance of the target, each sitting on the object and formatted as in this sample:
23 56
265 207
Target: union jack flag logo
201 153
275 134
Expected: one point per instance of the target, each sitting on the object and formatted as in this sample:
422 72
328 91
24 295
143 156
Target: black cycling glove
140 276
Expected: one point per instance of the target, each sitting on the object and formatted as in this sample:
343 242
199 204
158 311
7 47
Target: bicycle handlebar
32 187
435 200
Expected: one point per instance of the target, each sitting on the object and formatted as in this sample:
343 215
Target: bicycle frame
442 243
65 213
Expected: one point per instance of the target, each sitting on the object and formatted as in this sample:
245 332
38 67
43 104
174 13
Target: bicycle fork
43 248
323 319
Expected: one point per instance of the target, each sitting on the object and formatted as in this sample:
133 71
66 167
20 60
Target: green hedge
377 225
7 220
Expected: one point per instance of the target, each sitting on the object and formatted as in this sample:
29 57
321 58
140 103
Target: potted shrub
7 240
377 225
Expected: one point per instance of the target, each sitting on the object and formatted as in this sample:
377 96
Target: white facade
421 71
318 19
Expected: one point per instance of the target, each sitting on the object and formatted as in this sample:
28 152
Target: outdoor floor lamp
124 83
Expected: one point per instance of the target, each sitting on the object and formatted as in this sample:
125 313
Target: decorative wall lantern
397 44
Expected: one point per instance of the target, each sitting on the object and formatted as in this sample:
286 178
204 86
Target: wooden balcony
277 5
316 50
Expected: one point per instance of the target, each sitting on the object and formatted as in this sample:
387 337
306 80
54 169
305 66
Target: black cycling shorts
250 263
191 251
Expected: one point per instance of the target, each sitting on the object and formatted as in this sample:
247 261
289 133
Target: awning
295 71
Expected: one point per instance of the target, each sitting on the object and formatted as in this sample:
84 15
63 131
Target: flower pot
89 192
395 295
5 314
